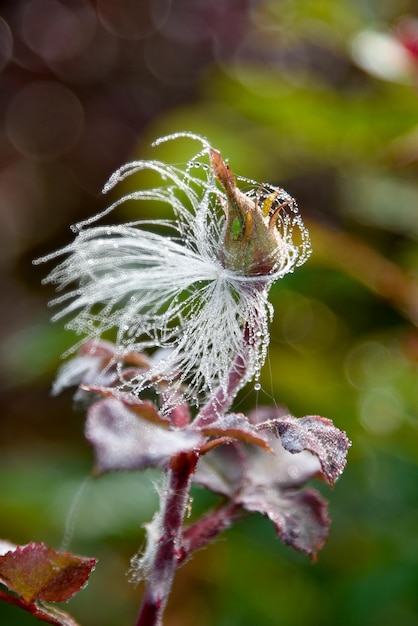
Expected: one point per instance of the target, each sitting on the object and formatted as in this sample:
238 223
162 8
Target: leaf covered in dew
300 517
122 440
319 436
145 409
36 572
271 484
97 362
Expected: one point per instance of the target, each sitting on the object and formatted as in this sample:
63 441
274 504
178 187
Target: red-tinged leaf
300 517
319 436
143 408
270 483
237 426
123 441
228 468
36 572
108 352
96 363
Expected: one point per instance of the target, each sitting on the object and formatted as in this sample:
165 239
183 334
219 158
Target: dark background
317 97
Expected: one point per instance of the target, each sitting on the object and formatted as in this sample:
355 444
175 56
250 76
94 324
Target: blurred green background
318 97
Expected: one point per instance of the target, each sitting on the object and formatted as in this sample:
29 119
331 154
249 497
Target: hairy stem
171 549
168 553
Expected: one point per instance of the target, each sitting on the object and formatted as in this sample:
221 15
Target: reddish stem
171 550
222 399
168 552
47 613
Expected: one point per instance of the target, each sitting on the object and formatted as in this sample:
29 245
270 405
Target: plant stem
222 399
45 613
168 553
170 550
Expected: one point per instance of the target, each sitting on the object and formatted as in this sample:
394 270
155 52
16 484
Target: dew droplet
257 387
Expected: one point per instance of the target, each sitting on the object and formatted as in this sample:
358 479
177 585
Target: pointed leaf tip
319 436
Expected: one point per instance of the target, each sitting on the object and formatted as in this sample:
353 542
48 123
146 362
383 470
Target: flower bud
253 245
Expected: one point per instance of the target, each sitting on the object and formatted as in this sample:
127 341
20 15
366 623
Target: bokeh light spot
130 19
381 411
6 43
369 363
93 63
44 119
56 32
383 56
309 325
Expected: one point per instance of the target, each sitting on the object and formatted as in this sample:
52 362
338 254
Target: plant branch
223 398
49 614
168 552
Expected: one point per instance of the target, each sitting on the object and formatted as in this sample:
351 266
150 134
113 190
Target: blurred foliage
274 86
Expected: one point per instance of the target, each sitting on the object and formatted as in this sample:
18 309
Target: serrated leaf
319 436
123 441
269 484
36 572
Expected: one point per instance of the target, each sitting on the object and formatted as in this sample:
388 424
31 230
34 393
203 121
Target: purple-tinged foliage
236 426
271 484
260 465
198 300
300 517
98 362
124 441
319 436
